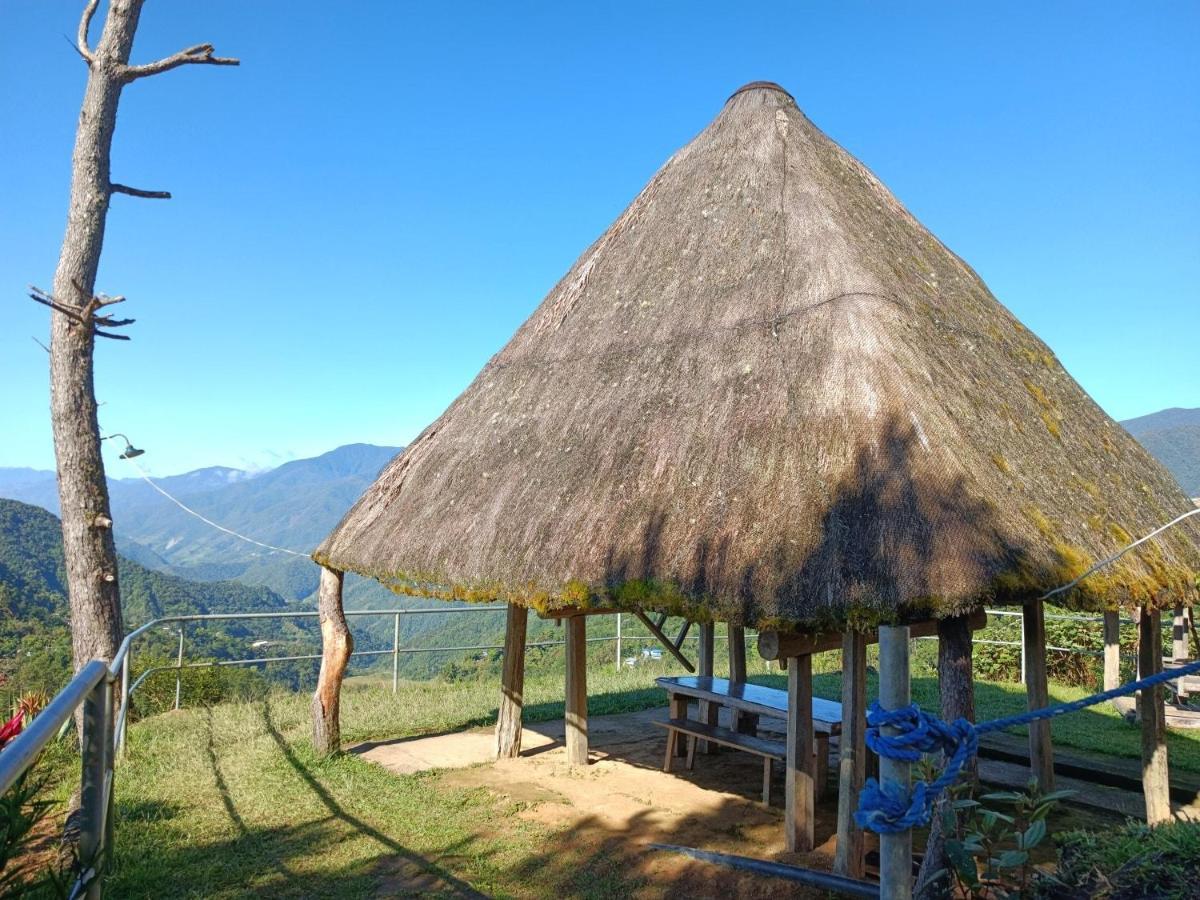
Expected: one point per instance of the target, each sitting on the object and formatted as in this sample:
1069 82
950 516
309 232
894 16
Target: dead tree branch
200 54
85 315
138 192
85 23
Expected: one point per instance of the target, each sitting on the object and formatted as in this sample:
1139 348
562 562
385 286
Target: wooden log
956 691
739 720
336 646
895 850
1155 785
852 755
1112 649
577 698
779 645
1033 636
800 768
708 711
512 684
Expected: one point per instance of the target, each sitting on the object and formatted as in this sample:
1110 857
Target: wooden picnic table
747 702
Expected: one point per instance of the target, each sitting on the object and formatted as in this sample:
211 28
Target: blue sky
371 204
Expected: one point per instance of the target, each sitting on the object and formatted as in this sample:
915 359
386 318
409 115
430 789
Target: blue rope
888 808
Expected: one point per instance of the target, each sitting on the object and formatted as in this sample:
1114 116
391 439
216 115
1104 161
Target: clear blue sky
368 207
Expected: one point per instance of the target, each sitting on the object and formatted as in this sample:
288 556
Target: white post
618 642
179 669
895 850
396 654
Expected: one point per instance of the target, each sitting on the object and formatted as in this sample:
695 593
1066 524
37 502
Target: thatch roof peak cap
761 86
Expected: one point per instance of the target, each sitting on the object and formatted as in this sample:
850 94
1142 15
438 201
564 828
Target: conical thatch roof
767 394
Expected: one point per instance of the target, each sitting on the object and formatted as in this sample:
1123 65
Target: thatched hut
765 396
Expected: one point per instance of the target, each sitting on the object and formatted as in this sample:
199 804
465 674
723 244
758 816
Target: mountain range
1173 437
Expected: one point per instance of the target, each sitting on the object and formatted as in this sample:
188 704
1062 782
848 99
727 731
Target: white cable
187 509
1117 555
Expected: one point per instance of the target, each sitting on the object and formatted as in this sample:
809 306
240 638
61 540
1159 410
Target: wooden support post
956 689
512 684
1041 751
577 698
336 646
1155 783
738 720
800 792
852 755
1112 649
1179 647
708 712
895 850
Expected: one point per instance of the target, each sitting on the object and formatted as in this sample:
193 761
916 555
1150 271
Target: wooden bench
726 737
751 700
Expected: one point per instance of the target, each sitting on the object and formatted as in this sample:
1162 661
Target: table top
752 698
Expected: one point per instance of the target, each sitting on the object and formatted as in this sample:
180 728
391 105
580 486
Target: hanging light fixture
130 451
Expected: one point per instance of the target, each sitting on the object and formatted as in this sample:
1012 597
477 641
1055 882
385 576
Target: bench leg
671 738
766 781
710 715
691 752
822 765
744 722
679 709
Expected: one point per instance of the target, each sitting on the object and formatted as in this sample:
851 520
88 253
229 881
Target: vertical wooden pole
708 712
1179 648
512 684
852 754
336 646
1112 649
1155 784
577 698
737 654
1041 752
895 850
800 792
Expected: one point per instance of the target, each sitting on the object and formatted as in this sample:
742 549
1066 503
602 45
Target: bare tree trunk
336 646
957 690
88 547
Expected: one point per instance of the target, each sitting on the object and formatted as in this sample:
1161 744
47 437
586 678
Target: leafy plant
990 846
1134 860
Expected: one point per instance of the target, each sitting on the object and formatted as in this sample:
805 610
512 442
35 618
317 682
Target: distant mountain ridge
292 506
1173 437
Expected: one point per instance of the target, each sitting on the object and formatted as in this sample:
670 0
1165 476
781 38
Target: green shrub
1128 862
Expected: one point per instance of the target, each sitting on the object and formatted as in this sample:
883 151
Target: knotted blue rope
888 808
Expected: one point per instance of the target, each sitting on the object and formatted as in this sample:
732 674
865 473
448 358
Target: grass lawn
230 801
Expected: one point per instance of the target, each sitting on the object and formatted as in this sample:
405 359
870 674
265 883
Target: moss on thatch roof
768 395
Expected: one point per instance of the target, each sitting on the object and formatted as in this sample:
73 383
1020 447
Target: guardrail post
124 723
97 748
179 670
895 849
396 655
618 642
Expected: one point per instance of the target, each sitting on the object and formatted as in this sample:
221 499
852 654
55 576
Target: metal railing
93 688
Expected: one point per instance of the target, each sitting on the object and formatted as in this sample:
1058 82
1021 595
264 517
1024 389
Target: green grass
230 801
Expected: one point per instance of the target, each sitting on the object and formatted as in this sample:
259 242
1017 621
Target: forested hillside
1173 437
35 644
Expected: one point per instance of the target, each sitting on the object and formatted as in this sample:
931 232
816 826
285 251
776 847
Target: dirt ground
623 802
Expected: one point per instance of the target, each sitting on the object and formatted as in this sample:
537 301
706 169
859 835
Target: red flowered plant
11 728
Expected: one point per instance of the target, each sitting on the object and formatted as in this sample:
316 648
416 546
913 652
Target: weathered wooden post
800 792
336 646
739 720
512 684
1179 647
1112 649
895 849
1155 783
852 754
577 699
708 712
1033 637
